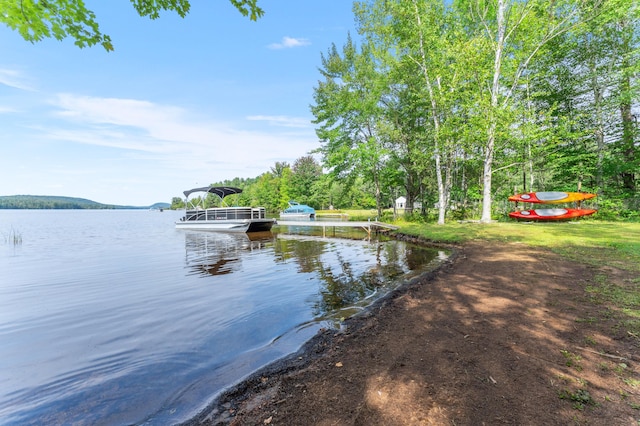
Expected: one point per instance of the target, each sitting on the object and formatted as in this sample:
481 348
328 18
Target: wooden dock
368 226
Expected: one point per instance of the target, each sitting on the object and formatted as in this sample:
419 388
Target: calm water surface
115 317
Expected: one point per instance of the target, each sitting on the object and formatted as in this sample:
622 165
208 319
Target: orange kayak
551 214
553 197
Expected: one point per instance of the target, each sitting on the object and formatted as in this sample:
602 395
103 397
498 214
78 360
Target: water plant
12 237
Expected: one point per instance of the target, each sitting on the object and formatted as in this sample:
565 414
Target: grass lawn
594 242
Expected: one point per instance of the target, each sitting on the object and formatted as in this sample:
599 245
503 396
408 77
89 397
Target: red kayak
552 197
551 214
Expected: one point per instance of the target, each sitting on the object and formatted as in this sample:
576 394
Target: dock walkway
368 226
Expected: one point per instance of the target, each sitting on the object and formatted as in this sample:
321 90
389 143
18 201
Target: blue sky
180 103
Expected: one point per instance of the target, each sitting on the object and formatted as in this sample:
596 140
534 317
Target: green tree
348 110
284 188
305 173
278 169
177 203
619 27
587 84
431 67
423 31
265 192
514 33
36 20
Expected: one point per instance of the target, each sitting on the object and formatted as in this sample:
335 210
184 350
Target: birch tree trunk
513 17
493 120
442 196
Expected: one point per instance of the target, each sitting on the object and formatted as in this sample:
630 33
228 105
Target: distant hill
56 202
158 206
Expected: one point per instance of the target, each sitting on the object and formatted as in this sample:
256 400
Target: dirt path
505 334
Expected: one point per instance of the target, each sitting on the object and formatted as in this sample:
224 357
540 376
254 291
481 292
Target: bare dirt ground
504 334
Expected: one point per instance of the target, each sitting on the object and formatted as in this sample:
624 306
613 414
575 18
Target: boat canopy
220 191
295 207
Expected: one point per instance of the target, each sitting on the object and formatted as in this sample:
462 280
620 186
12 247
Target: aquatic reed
12 237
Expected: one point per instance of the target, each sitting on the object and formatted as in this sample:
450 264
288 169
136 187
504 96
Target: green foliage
349 113
616 209
580 398
305 187
36 20
547 107
284 187
177 203
248 8
572 360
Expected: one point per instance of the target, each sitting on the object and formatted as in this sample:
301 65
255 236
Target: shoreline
220 410
490 337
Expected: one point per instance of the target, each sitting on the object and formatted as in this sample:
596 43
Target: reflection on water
115 317
220 253
349 273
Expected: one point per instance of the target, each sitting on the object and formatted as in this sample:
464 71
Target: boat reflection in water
221 253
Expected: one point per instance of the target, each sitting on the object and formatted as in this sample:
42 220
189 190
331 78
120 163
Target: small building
401 204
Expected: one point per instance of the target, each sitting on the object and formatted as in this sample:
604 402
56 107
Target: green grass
613 243
353 214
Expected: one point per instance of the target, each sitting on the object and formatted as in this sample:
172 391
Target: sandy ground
504 334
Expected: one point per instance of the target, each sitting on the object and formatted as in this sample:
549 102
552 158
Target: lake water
115 317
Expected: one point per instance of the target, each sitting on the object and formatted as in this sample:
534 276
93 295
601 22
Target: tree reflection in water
348 274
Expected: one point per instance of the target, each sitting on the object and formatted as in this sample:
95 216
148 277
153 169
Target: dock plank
366 225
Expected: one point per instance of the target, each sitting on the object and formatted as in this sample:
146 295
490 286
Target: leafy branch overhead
36 20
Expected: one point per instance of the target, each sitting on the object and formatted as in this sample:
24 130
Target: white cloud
13 79
6 109
177 138
289 42
281 120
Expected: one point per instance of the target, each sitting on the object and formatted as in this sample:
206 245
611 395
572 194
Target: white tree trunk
493 119
442 196
442 201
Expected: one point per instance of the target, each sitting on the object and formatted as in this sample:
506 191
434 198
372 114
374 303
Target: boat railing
226 213
258 213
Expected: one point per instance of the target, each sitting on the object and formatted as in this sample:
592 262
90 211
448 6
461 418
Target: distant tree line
50 202
304 182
